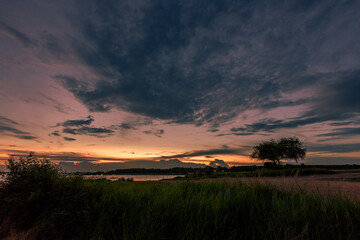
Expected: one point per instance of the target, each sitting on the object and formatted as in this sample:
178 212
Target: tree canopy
275 150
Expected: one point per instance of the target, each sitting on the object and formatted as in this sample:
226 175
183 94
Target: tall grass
48 205
84 209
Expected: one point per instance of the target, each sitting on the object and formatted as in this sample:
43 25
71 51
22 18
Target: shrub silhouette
30 171
34 188
30 184
270 165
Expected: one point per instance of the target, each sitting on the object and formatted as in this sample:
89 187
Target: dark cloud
69 139
337 100
342 123
5 120
135 123
17 35
341 96
255 127
11 130
70 131
78 123
81 127
52 46
98 132
213 130
270 125
205 62
127 126
170 60
79 89
158 132
25 137
55 133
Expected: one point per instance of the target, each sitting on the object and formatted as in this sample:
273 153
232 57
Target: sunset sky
100 85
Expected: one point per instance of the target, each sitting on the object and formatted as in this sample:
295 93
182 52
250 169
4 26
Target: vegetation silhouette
45 204
31 170
273 151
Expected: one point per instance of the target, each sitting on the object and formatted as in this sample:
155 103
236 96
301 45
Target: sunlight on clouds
100 87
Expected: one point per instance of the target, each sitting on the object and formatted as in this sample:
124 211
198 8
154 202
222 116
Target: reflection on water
135 177
117 177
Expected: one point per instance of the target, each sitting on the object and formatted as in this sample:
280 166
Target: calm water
135 177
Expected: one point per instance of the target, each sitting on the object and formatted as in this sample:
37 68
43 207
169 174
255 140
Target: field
331 184
58 207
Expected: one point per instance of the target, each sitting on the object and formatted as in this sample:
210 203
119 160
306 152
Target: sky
100 85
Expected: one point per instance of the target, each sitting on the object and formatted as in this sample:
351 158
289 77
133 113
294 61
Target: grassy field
38 202
73 208
266 173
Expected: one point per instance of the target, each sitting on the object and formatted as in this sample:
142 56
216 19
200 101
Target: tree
275 150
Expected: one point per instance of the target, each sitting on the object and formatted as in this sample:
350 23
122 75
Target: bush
30 184
270 165
35 194
30 170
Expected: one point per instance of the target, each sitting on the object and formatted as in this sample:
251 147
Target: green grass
38 200
86 209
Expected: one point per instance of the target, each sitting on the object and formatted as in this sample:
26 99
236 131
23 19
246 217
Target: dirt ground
327 185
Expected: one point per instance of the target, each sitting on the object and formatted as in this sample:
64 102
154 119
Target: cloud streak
342 132
69 139
78 123
91 131
335 148
157 133
17 35
9 127
216 151
81 127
